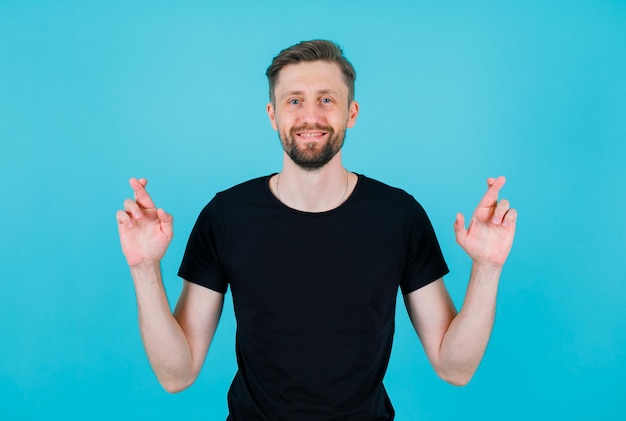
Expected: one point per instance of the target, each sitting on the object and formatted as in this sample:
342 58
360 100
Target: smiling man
314 257
315 108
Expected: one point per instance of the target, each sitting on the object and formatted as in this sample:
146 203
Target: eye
327 101
294 101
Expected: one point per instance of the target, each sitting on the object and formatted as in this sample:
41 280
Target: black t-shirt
314 295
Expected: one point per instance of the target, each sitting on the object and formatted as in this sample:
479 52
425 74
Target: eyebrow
322 91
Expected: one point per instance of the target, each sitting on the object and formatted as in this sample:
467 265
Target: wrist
145 270
483 264
486 270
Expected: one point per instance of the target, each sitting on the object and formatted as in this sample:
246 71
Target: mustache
315 126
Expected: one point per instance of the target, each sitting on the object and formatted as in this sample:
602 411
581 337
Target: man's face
311 112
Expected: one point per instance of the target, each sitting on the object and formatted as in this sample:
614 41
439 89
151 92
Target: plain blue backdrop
92 93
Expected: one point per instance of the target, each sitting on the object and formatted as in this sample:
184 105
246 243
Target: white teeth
310 134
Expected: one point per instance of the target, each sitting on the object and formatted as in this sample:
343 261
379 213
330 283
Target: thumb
167 222
459 228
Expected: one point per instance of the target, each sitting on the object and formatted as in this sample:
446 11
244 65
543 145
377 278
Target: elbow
457 377
456 371
174 386
458 380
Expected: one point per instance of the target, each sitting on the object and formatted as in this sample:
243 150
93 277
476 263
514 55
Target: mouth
311 135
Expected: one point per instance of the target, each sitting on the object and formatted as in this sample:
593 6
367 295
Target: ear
272 115
353 112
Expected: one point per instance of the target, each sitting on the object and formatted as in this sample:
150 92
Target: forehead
311 76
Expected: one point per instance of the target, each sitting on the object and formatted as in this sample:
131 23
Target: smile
313 135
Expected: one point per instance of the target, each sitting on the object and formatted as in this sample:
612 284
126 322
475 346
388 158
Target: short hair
313 50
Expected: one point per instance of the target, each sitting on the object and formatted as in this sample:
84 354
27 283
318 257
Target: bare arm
176 344
455 343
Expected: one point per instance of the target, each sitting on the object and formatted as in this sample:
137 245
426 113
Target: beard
312 156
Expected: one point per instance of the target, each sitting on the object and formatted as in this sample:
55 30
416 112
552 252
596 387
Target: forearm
164 340
465 341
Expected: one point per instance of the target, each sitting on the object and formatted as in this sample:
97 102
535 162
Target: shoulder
238 198
254 185
377 190
248 190
374 194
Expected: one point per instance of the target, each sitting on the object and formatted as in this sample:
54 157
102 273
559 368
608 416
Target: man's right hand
145 231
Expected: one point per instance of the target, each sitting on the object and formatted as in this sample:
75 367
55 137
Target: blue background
92 93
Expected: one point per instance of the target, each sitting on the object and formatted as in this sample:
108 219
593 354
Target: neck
313 191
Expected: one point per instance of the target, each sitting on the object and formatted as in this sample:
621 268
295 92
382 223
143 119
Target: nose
310 112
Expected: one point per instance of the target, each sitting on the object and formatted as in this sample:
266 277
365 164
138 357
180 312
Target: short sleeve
201 262
425 261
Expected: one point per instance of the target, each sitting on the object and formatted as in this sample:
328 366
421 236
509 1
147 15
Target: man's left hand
489 237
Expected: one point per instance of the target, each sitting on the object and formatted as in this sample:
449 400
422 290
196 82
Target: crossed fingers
502 212
134 209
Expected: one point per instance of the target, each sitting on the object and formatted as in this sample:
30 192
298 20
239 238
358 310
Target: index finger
142 197
491 196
